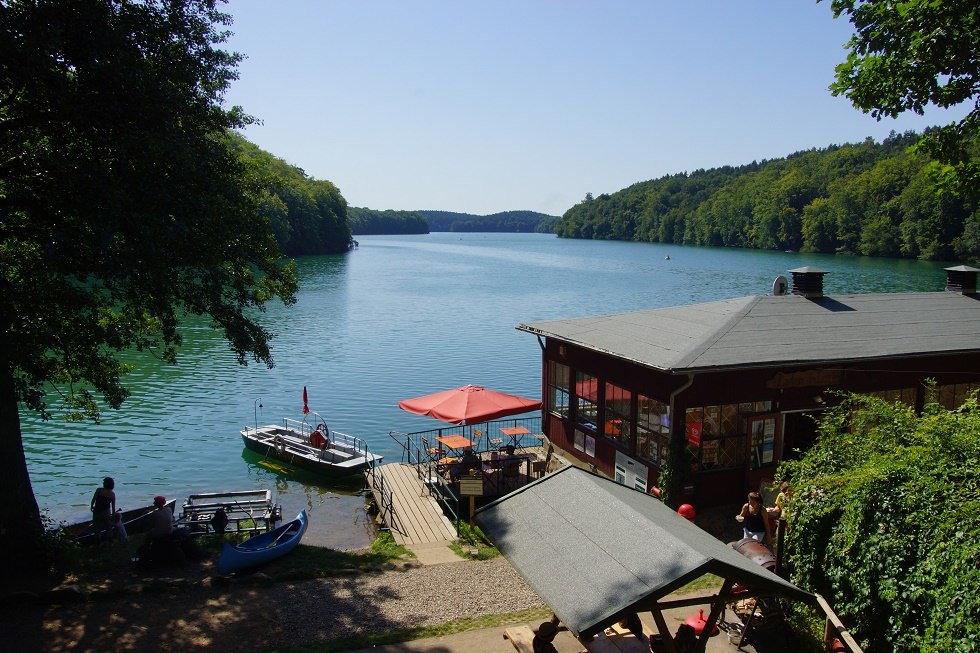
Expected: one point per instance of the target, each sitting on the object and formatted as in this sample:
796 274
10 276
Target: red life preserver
317 439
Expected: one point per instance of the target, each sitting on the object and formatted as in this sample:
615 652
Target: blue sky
482 106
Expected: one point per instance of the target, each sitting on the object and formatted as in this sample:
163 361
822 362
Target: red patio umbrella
470 404
306 405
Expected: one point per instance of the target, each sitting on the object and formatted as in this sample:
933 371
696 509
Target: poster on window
590 446
694 434
709 453
763 442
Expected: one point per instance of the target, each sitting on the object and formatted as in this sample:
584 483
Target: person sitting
469 461
161 520
510 464
160 545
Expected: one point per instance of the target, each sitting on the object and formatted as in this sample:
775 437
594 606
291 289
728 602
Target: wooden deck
418 517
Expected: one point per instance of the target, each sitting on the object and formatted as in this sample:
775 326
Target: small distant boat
310 445
136 521
263 548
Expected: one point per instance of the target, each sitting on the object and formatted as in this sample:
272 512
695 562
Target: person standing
755 519
103 505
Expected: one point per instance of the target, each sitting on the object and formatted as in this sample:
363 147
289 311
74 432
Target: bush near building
885 523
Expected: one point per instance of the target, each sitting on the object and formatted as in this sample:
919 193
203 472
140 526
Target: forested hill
875 199
308 216
509 221
370 221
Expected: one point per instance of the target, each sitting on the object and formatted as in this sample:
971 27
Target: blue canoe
263 548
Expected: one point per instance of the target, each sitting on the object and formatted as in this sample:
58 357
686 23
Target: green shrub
885 523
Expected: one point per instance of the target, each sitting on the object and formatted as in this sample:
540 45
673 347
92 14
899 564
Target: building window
558 388
716 436
617 415
586 401
652 430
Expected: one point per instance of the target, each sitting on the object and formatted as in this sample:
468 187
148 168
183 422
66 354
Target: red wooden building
735 384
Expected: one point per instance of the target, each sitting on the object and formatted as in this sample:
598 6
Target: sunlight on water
399 317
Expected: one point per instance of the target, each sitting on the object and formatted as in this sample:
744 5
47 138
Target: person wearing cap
162 520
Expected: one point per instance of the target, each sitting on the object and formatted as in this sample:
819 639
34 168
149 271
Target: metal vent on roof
808 282
962 279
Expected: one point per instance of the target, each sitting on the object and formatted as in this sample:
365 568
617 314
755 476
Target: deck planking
418 517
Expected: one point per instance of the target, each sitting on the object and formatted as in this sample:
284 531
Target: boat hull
263 548
136 521
337 460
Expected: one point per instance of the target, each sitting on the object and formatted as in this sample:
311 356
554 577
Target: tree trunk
20 520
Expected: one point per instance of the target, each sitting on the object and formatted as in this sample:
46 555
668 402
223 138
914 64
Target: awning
596 550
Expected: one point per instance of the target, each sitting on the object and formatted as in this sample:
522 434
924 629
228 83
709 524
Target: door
764 443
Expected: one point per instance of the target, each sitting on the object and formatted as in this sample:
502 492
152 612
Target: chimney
808 282
962 279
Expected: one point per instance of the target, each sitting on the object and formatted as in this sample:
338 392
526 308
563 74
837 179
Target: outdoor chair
433 454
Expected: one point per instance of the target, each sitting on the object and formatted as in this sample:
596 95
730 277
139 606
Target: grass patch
706 582
422 632
307 562
472 543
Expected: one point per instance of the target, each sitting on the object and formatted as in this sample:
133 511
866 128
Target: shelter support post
658 617
717 607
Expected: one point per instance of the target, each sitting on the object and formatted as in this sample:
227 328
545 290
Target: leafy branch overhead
905 56
125 206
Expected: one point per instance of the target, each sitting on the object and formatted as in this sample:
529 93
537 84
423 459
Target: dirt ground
191 608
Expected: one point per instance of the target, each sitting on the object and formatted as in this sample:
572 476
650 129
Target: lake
399 317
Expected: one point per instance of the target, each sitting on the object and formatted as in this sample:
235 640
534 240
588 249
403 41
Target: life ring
279 444
318 440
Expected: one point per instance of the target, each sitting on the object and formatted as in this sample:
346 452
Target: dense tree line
874 199
370 221
308 216
507 221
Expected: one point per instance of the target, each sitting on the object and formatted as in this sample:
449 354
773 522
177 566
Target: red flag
306 406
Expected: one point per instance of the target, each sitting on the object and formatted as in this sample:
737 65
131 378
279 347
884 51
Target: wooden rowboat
136 521
263 548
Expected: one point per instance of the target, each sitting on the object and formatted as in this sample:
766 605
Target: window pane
617 414
586 401
558 388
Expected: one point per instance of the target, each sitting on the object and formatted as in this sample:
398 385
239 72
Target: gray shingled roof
784 330
593 549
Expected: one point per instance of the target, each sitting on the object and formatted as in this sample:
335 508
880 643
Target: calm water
399 317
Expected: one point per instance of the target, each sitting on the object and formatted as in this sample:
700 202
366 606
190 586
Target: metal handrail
387 505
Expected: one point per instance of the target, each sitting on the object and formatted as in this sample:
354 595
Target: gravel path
254 617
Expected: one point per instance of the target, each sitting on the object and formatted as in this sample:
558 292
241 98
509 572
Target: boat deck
418 518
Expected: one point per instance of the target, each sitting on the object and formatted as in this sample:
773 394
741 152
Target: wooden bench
521 637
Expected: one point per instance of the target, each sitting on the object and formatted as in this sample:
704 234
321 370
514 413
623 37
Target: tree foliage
308 216
369 221
885 523
868 198
124 206
908 54
506 221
